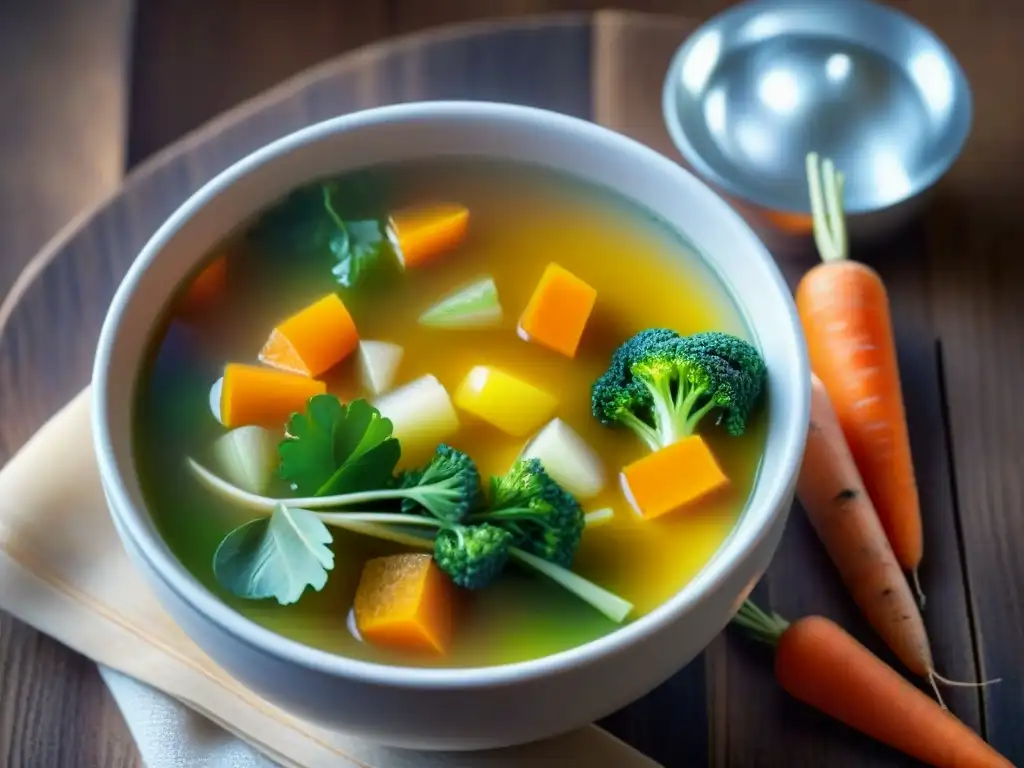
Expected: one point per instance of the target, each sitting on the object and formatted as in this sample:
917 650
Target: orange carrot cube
405 602
558 311
673 477
312 340
423 232
263 397
206 288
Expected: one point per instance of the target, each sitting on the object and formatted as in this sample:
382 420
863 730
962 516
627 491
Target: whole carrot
832 493
820 664
844 310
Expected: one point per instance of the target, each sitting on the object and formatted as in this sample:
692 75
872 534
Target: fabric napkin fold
63 571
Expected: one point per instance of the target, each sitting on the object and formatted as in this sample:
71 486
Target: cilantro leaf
296 225
275 557
344 221
334 448
360 246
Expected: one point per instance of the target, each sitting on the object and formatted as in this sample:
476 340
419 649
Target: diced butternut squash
510 404
312 340
264 397
405 603
423 232
673 477
207 287
558 311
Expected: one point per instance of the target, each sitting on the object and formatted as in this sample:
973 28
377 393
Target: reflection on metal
759 86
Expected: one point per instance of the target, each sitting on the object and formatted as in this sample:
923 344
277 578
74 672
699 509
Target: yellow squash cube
510 404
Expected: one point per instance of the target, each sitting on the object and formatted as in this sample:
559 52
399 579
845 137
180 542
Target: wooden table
955 279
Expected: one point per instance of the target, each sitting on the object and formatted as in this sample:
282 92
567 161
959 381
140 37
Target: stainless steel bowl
755 89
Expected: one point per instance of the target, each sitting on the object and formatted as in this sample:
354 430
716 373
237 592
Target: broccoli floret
448 487
615 400
523 482
541 516
747 374
661 384
473 556
618 397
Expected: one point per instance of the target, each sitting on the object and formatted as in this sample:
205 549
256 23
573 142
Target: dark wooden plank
195 59
753 722
948 614
56 709
62 94
975 234
670 724
974 245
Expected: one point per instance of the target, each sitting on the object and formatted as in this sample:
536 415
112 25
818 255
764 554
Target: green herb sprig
344 457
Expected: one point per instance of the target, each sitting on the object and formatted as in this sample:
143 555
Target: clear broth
521 219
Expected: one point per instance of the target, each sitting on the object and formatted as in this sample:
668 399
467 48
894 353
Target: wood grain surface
954 279
62 132
62 139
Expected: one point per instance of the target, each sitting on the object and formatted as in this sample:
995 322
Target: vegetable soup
449 413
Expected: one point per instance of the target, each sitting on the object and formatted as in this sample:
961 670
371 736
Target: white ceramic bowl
458 708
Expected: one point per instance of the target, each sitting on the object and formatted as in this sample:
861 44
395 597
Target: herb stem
234 493
349 499
267 504
611 605
378 531
329 207
380 525
380 517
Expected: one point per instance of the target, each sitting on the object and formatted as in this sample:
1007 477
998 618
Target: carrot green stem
826 186
760 625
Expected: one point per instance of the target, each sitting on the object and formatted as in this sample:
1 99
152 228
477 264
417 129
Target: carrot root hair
963 684
933 681
934 678
921 599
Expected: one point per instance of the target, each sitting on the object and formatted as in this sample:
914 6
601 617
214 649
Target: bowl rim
726 184
130 520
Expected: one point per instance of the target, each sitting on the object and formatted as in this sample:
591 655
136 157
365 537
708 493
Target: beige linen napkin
63 570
